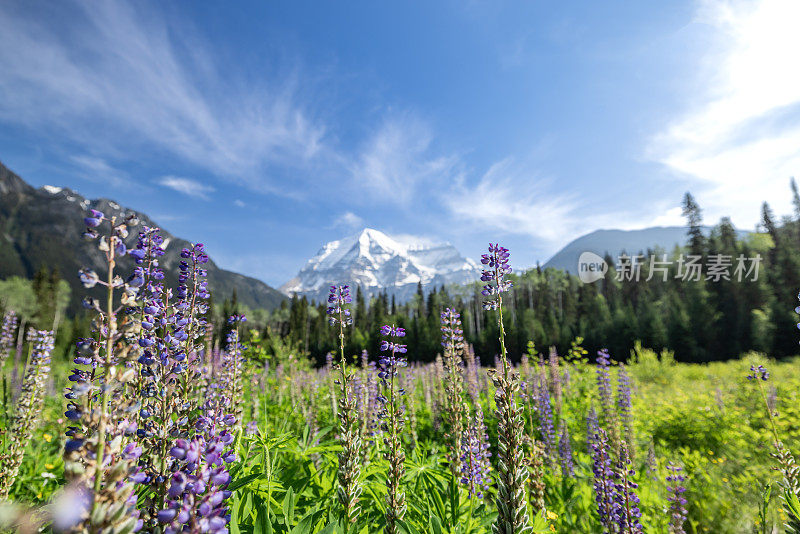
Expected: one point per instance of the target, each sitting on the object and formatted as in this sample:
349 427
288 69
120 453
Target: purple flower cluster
545 413
392 418
624 403
452 333
82 387
198 488
604 488
232 364
338 305
614 488
475 465
625 511
10 322
27 409
565 453
390 363
592 427
192 273
497 262
609 416
758 373
677 502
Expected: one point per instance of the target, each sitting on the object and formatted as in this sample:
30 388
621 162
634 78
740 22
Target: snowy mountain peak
375 261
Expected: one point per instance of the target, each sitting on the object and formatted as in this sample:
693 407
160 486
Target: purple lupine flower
392 418
197 492
88 278
94 219
28 408
565 453
338 309
626 513
475 465
677 502
346 410
609 416
390 363
624 403
232 363
453 343
373 404
604 486
592 427
497 262
545 413
758 373
10 322
512 472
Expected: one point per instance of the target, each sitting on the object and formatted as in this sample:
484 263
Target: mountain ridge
377 262
614 242
44 226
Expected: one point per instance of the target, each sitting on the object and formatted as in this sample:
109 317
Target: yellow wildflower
47 437
49 466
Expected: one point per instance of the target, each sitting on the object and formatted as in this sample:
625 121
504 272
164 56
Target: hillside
44 226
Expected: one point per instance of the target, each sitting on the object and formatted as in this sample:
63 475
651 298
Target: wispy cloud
398 157
187 186
740 141
513 199
114 76
97 169
348 221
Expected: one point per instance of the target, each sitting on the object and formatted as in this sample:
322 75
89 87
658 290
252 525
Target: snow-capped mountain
377 262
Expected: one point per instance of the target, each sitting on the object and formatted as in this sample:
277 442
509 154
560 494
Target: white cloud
518 201
671 217
398 157
740 142
239 203
109 75
348 221
97 169
187 186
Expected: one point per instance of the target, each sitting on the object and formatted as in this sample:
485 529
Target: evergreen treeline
700 320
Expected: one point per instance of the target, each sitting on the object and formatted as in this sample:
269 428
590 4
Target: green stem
101 428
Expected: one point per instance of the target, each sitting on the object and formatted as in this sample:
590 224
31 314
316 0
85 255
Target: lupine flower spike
604 388
604 488
475 465
512 472
624 406
786 462
453 343
10 322
349 489
27 410
97 461
626 502
677 502
392 418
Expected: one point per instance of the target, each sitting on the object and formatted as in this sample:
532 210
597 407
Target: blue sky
266 129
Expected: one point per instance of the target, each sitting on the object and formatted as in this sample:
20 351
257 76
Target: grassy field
708 419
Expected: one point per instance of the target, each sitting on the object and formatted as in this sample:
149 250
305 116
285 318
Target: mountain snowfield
376 261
